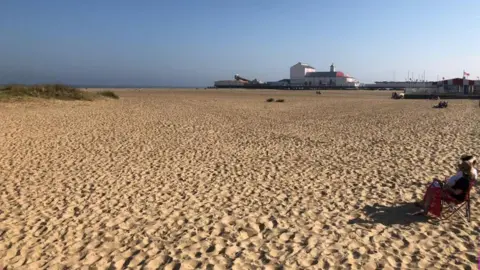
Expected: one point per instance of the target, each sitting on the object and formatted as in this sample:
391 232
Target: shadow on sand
390 215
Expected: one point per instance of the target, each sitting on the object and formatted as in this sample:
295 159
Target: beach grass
109 94
49 91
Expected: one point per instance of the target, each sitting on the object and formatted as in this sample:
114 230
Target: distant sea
119 86
134 86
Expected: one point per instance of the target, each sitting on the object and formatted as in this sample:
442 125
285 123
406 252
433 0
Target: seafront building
304 74
456 87
304 77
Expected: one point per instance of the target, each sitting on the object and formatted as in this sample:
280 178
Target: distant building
298 72
331 78
229 83
459 85
306 75
401 84
302 76
452 87
284 82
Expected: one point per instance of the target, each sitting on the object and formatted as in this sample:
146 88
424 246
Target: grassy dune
50 91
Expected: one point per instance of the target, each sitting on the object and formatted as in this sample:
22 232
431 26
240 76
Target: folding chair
452 205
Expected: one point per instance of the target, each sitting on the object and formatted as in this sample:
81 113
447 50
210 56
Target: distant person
441 104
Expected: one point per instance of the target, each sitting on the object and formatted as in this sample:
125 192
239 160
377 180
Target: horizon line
108 86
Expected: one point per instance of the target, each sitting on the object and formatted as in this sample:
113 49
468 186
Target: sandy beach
221 179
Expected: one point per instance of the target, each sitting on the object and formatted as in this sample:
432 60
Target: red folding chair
453 206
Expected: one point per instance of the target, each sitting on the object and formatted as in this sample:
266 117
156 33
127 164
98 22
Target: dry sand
221 179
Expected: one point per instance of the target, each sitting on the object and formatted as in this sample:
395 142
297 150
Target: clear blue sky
193 43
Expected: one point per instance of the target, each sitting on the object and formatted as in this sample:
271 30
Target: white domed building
311 77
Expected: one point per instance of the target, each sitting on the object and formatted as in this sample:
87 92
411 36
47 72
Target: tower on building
332 68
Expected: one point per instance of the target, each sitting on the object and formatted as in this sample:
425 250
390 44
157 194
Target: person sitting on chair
455 187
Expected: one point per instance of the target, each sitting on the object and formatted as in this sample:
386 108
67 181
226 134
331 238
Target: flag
466 74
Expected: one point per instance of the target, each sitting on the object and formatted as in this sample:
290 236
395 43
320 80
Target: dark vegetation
50 91
109 94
